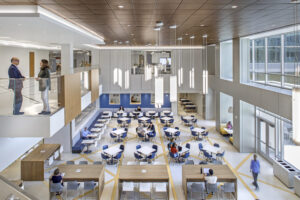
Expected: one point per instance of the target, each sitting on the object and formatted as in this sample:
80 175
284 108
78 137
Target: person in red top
174 150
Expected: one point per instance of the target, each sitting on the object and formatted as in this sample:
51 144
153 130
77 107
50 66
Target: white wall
226 101
226 60
6 53
13 148
247 127
110 59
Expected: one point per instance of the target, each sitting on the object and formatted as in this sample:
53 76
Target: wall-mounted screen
135 98
114 99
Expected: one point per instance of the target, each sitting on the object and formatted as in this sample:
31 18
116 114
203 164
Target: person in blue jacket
16 84
255 169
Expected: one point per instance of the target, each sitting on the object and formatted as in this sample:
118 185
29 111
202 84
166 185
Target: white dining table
99 125
151 112
96 129
166 118
118 132
144 118
198 130
112 151
212 149
123 118
229 131
189 118
171 130
183 150
146 151
102 120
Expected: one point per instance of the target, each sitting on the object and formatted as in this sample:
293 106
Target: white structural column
95 58
66 58
296 115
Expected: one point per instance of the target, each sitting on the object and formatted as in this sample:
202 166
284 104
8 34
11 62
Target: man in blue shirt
16 84
255 169
85 133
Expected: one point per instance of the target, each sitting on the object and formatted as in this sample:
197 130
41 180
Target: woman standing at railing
44 86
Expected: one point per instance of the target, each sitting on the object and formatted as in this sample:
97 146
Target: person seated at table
229 125
138 109
174 150
85 133
210 178
121 108
170 144
57 178
140 129
151 127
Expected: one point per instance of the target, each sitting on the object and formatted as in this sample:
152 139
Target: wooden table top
42 152
135 173
223 172
87 172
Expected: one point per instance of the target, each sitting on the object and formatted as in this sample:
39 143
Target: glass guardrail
30 96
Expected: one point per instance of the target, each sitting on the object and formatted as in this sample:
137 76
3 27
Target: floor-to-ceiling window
274 59
274 138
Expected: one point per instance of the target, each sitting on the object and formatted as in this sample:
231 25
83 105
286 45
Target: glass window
274 60
259 60
138 62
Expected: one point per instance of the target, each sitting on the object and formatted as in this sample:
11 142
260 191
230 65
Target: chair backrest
188 145
89 185
152 156
56 154
55 187
122 147
137 156
104 156
200 146
216 145
83 162
138 146
70 162
206 154
50 161
105 147
118 156
114 129
72 185
186 155
97 163
112 135
177 128
154 147
61 149
191 128
211 187
229 187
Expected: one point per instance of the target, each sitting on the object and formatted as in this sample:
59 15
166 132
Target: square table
191 173
189 118
144 118
118 132
106 112
102 120
198 130
32 166
93 135
96 129
123 118
84 173
146 151
229 131
171 130
100 125
212 149
166 118
142 174
112 151
151 112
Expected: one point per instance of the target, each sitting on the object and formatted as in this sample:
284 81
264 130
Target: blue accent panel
125 101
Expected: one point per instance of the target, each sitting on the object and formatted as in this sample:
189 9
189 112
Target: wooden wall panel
31 64
94 83
72 96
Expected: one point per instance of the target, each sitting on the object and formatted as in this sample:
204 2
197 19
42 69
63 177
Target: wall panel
94 84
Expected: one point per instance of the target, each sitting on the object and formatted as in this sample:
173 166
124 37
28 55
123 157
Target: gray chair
98 163
56 187
198 188
83 162
228 188
189 162
70 162
89 185
72 186
212 188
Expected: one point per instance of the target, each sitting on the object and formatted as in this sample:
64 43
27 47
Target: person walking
255 169
16 84
44 86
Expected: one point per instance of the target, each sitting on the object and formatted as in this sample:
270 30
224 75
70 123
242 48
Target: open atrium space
149 99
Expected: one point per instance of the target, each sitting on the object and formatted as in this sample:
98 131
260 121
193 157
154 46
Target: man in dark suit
16 84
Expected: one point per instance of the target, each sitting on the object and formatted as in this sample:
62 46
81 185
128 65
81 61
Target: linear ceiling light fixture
28 45
142 47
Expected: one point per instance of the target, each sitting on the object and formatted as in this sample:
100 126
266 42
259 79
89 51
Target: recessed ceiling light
120 42
186 34
205 36
295 1
115 41
180 38
234 7
132 34
159 23
192 37
202 25
127 42
173 26
120 6
156 28
128 25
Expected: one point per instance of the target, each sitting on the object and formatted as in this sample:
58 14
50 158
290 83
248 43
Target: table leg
87 149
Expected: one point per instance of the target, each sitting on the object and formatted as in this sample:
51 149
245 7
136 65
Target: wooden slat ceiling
135 22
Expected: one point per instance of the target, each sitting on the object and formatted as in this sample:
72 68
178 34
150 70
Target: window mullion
266 60
282 60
